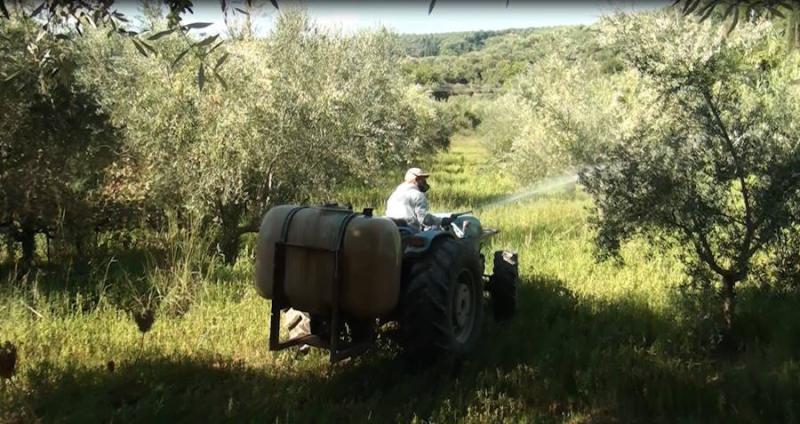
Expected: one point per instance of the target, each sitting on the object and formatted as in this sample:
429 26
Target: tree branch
744 254
701 246
250 227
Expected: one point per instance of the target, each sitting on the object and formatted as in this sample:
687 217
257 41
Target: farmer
409 204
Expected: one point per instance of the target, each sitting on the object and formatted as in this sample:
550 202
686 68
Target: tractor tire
442 302
503 285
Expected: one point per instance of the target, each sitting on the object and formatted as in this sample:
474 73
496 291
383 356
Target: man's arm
423 215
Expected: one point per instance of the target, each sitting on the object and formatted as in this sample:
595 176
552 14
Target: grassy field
593 342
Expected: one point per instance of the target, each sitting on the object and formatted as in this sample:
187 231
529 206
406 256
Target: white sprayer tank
369 251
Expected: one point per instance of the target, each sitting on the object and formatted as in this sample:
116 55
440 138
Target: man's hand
446 221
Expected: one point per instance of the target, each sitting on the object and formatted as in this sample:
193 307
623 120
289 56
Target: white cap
413 173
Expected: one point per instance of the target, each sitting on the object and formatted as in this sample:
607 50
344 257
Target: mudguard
423 241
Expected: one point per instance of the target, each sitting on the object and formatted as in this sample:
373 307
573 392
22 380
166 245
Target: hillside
487 58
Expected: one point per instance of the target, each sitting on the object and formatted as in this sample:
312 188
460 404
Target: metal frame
279 300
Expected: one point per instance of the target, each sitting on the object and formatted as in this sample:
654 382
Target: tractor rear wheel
442 301
503 284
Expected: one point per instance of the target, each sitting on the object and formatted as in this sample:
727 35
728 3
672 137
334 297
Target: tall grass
593 342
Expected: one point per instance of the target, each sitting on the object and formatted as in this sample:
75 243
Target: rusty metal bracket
278 281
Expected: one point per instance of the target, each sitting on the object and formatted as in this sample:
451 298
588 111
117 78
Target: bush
56 145
559 115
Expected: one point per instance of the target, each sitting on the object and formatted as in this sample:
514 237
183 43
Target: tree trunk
11 252
229 235
28 239
728 309
229 245
82 254
80 251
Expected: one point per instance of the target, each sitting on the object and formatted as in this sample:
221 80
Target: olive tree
290 118
55 144
714 172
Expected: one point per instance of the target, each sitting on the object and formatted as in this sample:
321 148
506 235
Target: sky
412 16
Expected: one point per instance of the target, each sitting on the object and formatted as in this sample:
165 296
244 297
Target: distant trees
496 58
559 113
449 44
421 45
714 172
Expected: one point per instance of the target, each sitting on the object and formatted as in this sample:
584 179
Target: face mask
423 186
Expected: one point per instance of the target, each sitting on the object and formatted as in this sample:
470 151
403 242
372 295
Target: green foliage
564 96
453 43
714 172
305 116
287 119
743 10
689 141
559 114
466 111
67 19
494 58
55 143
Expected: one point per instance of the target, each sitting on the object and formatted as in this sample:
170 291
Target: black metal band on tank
336 286
278 280
287 221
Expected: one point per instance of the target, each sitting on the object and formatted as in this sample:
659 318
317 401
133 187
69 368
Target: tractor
353 274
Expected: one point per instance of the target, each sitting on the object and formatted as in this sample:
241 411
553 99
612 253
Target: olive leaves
741 10
63 19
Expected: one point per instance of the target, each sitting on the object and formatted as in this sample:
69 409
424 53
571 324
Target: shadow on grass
562 356
207 390
620 361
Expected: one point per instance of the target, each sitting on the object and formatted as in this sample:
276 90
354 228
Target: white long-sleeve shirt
410 204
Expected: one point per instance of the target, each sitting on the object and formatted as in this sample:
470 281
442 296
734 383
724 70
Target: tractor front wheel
442 301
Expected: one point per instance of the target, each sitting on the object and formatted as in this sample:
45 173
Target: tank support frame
338 348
